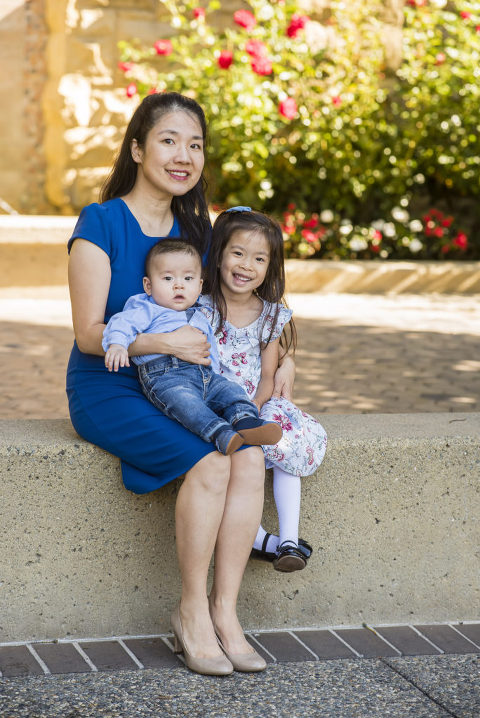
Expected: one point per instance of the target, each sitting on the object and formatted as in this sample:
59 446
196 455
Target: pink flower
297 23
163 47
465 15
288 109
461 241
377 235
256 48
262 65
131 89
225 59
477 28
245 19
288 228
199 13
152 91
440 58
438 232
126 66
336 100
309 236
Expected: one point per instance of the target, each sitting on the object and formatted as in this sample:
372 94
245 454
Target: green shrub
301 110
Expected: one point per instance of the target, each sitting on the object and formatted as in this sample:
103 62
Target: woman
155 190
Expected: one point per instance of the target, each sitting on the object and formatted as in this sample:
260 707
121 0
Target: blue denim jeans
196 397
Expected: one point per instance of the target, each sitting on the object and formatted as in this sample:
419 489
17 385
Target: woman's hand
189 344
284 378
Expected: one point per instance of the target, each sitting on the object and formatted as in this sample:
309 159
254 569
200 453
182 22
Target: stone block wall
67 108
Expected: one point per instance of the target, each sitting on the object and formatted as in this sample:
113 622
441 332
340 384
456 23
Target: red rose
126 66
337 100
225 59
245 19
465 15
310 223
309 236
447 221
262 66
461 241
163 47
438 232
291 206
377 235
445 249
375 248
288 109
256 48
297 23
199 13
288 228
131 89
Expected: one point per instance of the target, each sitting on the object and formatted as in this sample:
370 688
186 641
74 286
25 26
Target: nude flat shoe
217 666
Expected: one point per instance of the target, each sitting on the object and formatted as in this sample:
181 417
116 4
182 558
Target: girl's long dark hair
190 209
271 290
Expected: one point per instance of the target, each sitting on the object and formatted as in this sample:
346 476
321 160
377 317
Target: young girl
245 283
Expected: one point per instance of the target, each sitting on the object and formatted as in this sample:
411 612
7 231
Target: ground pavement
357 353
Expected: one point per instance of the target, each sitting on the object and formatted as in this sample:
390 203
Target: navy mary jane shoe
270 556
289 558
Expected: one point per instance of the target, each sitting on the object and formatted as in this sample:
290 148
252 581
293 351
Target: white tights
286 492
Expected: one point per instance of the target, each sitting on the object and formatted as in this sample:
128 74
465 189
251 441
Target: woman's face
171 162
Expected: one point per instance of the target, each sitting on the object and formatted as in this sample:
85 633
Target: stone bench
393 515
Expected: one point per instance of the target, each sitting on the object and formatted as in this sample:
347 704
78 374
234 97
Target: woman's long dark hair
190 209
271 290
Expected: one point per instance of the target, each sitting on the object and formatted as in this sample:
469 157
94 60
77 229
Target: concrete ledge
33 253
393 515
370 277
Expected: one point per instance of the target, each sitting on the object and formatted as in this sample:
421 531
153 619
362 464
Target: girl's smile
244 262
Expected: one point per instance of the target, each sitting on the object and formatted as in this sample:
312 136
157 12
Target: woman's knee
249 466
212 473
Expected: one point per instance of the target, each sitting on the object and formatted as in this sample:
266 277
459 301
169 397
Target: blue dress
108 408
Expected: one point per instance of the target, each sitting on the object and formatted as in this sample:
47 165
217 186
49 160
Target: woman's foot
233 642
194 635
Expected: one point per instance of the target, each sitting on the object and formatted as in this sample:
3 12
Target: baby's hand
116 356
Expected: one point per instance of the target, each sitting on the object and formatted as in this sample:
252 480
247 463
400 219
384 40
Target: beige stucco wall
66 107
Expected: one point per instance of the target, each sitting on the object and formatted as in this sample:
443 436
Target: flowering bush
434 236
301 109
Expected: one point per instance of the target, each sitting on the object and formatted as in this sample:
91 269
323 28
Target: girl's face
171 162
244 262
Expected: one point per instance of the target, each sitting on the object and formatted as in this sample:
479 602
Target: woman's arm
89 281
269 357
285 375
89 276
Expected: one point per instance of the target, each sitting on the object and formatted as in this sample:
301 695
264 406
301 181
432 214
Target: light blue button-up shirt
141 315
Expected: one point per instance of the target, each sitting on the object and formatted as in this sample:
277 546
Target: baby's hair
272 288
170 246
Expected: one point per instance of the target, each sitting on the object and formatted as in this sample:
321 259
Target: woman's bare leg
241 518
198 514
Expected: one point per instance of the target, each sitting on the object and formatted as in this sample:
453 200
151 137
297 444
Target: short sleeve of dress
284 316
92 225
205 305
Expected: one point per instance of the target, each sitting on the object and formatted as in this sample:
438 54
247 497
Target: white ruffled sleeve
284 316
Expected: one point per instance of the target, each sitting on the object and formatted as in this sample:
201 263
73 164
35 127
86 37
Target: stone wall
66 100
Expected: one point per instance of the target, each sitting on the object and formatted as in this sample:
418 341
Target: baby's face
175 280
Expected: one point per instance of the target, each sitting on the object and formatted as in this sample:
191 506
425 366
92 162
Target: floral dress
302 447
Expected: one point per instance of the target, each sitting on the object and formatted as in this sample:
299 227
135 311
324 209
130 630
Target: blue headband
239 209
